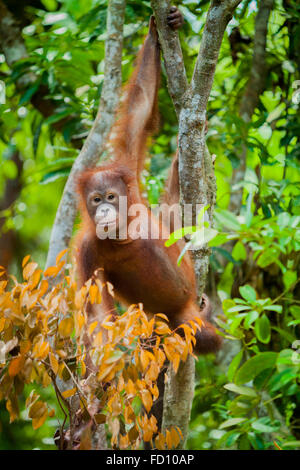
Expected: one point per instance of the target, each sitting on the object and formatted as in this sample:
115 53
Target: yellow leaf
60 255
92 326
2 324
169 440
38 422
25 260
162 315
12 408
65 327
152 372
83 368
54 270
146 399
43 287
51 271
176 361
162 328
144 358
41 350
69 393
80 320
34 279
37 409
25 346
95 296
175 437
160 441
54 363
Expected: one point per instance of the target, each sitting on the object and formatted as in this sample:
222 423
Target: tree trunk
253 90
196 174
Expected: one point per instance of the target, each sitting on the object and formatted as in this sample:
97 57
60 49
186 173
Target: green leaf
267 257
241 390
29 93
263 329
239 251
178 234
289 278
255 365
261 426
227 219
275 308
239 308
248 293
234 365
283 219
250 318
232 422
203 236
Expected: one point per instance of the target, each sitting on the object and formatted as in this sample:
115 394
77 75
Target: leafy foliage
45 336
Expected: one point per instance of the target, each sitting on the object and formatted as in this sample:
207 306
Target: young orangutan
140 269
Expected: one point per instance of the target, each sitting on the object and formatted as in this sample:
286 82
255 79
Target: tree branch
172 53
94 145
258 71
12 43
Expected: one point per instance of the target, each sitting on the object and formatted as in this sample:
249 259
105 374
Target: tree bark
196 173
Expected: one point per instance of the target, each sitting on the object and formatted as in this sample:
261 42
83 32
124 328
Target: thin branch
12 43
170 44
94 145
258 71
218 16
253 90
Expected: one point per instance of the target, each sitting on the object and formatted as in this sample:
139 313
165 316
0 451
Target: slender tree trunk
253 90
96 140
196 174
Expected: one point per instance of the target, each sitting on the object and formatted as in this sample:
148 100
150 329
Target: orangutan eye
97 199
110 197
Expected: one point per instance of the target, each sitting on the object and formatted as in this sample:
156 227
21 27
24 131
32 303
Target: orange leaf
160 441
2 324
16 366
175 437
38 422
60 255
34 279
144 358
25 260
37 409
69 393
92 326
146 399
29 270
